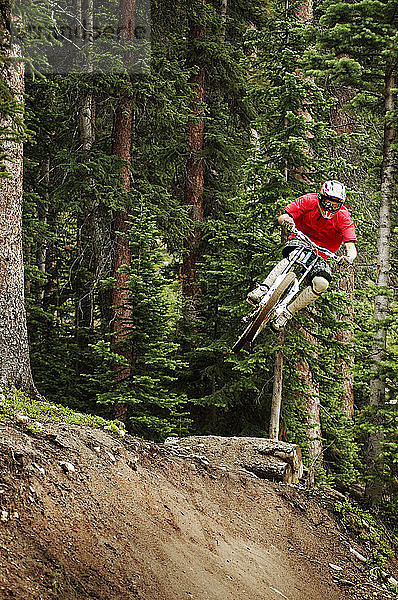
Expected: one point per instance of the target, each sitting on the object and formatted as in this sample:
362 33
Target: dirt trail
88 516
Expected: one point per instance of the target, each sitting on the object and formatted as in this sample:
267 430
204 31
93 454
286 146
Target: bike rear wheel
251 330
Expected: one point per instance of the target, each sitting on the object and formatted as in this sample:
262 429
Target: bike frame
306 255
284 288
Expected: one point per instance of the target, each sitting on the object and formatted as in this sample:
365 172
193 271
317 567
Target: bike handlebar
317 248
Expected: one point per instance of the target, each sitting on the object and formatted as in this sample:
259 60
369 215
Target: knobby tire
251 330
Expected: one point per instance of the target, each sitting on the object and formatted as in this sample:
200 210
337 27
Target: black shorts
320 268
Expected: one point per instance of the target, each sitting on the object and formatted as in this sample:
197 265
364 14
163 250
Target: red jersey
328 233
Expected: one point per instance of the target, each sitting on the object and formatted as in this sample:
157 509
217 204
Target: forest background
151 187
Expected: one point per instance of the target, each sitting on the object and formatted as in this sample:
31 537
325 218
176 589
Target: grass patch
14 402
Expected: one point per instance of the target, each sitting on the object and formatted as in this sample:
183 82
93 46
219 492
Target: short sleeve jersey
328 233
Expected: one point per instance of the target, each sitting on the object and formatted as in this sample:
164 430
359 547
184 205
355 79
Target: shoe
280 320
255 295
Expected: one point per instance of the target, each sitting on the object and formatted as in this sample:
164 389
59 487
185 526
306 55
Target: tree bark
277 390
311 394
290 453
305 12
14 349
121 310
374 487
341 120
272 469
194 186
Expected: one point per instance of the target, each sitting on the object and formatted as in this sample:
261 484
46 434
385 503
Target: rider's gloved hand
286 221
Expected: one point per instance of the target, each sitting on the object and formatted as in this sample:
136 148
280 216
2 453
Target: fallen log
272 470
290 453
267 459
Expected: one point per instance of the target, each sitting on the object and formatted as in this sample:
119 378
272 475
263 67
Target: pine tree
361 43
194 185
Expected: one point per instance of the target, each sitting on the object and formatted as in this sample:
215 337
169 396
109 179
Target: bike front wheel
251 330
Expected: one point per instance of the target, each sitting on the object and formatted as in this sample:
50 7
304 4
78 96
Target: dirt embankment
87 516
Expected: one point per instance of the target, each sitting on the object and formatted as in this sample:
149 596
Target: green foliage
155 409
272 92
383 422
365 527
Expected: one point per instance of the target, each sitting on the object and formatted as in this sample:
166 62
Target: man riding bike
326 221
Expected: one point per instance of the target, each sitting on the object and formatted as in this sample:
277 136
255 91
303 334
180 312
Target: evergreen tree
360 41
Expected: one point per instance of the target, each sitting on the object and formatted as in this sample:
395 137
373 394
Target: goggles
330 204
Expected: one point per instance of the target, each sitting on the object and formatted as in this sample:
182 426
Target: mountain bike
285 287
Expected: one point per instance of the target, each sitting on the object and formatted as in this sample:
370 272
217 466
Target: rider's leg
318 285
309 294
255 295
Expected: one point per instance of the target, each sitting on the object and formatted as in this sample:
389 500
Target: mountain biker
327 222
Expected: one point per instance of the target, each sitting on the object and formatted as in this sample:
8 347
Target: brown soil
135 520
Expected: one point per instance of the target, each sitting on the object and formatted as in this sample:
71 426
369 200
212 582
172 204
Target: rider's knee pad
319 284
320 269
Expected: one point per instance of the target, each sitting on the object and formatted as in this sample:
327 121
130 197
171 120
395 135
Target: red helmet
331 198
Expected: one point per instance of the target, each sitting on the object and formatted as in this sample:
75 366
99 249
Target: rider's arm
351 252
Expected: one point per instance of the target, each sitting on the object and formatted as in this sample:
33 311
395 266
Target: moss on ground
14 402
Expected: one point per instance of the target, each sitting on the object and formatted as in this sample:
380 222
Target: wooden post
277 390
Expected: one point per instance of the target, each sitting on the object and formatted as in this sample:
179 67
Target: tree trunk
268 459
342 124
223 13
121 310
346 336
79 19
43 218
194 167
14 349
377 385
341 120
272 469
311 395
277 390
87 217
305 12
